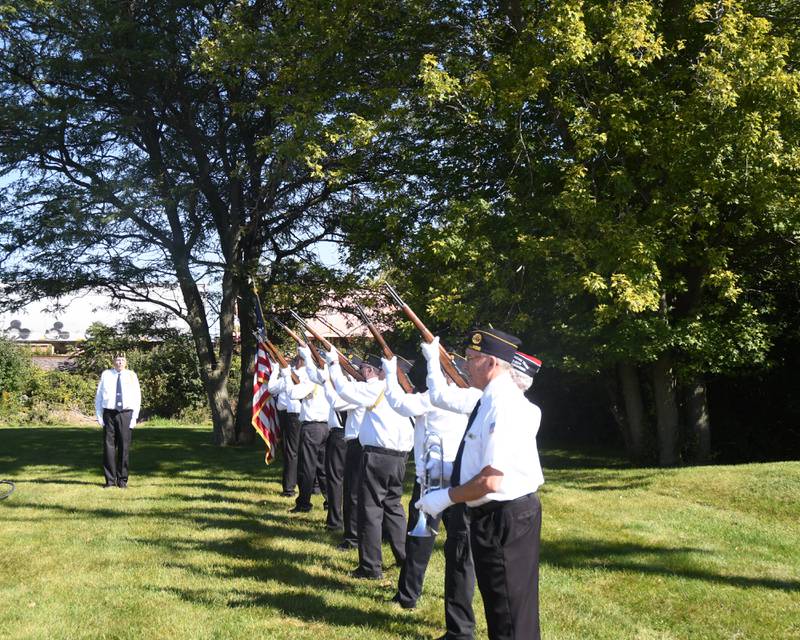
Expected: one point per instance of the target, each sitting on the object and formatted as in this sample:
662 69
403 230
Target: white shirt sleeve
408 405
98 401
360 394
136 397
449 396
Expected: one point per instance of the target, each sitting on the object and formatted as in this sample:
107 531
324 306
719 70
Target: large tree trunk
634 410
699 421
245 434
213 370
219 401
666 411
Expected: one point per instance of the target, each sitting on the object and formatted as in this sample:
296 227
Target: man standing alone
116 406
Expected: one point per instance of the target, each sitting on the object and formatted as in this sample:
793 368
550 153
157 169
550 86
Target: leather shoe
299 509
122 484
108 485
364 575
405 605
287 494
346 545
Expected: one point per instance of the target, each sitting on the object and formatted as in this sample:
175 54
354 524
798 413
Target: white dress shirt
503 436
313 405
106 396
277 387
381 426
335 402
448 425
448 396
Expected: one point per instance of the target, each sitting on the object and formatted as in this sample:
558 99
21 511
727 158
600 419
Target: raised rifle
278 357
427 336
346 364
387 352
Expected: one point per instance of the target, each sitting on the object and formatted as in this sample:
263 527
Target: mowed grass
202 546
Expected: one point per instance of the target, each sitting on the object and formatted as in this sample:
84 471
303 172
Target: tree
621 185
203 143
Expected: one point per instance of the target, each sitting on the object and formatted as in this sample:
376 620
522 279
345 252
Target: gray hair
522 380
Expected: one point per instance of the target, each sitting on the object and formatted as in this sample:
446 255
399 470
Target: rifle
346 364
277 356
261 334
427 336
387 352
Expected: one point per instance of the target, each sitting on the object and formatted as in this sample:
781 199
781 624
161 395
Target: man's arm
487 481
98 402
136 404
358 393
408 405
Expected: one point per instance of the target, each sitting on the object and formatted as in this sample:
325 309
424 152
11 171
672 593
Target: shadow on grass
155 452
655 560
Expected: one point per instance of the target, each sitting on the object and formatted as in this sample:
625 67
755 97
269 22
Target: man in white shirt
314 410
386 438
497 473
443 429
289 418
336 446
116 406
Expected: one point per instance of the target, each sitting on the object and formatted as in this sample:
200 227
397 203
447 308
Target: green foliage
163 358
15 368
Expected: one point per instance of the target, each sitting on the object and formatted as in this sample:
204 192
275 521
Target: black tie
455 475
119 391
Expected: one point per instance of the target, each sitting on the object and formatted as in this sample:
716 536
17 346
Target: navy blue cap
492 342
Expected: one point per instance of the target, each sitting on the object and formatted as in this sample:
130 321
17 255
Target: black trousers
459 575
335 451
290 438
418 553
505 545
312 438
321 481
380 508
351 489
117 434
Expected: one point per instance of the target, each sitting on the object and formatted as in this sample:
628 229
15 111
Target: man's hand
305 354
434 502
286 372
390 367
431 350
332 356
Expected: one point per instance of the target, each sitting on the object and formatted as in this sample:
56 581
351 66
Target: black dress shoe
287 494
365 575
346 545
122 484
108 485
299 509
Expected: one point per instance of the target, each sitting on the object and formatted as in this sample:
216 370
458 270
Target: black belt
305 422
389 452
118 410
494 505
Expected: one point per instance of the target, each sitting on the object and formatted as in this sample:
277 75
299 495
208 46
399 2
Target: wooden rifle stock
344 362
427 336
278 357
402 378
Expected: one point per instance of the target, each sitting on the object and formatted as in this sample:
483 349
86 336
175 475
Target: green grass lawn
202 546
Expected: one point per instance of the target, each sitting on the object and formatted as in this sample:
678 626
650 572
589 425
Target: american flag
265 415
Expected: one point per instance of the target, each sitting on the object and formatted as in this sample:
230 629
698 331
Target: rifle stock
344 362
444 358
278 357
402 378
